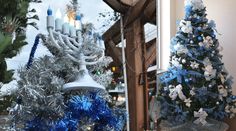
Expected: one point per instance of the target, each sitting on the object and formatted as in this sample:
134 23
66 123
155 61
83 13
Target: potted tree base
212 125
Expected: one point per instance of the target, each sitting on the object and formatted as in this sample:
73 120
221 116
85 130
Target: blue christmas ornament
234 98
213 35
186 80
199 38
199 28
90 33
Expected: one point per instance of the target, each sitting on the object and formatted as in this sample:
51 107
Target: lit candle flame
71 15
72 22
66 19
58 14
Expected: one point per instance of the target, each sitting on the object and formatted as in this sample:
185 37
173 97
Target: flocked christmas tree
45 103
196 86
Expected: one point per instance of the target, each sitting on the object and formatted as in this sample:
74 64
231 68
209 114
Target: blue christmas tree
196 86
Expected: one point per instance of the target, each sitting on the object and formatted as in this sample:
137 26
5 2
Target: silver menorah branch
79 49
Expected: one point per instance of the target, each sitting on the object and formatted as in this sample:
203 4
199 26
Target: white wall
165 35
223 12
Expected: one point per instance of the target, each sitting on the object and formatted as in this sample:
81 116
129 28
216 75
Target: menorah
78 47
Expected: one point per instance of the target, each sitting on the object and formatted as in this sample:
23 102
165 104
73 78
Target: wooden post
134 40
145 85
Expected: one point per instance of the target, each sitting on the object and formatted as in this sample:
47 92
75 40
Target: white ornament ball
200 44
184 61
165 88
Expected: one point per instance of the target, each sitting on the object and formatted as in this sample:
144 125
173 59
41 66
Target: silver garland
40 92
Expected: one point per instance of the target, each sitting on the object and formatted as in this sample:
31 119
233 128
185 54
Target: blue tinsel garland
90 106
31 57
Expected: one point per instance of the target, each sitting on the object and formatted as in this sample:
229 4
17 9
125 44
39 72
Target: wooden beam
135 11
113 53
115 50
129 2
117 5
149 14
145 84
152 82
112 32
151 52
137 58
134 40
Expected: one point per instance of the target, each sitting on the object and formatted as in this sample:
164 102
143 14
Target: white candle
58 22
72 32
72 28
72 22
65 27
50 19
78 23
78 27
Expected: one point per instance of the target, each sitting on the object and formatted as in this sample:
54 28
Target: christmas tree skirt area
212 125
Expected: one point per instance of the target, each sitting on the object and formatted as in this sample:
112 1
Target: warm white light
123 84
58 14
66 19
72 22
121 99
